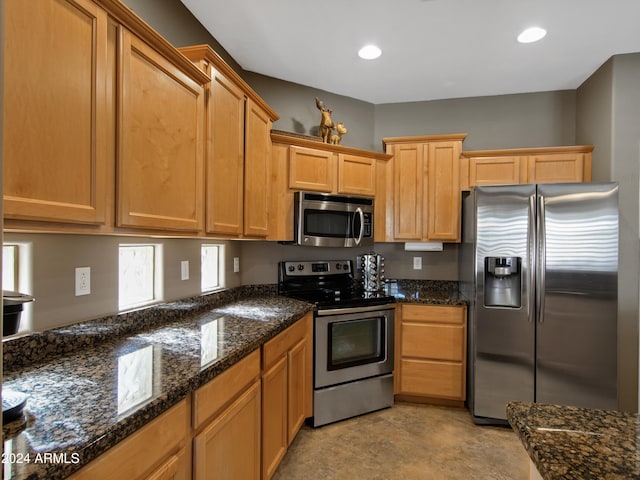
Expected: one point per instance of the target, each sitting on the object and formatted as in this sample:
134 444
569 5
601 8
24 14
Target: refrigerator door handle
531 251
540 259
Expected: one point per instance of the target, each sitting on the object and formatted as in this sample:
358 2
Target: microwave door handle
361 233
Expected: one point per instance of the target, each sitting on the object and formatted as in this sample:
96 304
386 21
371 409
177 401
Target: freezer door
577 295
502 331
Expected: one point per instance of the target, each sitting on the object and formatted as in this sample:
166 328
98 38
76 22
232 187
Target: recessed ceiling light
369 52
532 34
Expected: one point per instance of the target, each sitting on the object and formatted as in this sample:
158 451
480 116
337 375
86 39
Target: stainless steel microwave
324 220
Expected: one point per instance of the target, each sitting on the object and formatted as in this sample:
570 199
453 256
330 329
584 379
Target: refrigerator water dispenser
502 282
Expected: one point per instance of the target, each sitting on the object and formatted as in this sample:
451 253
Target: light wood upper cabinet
423 191
431 360
238 153
559 167
408 201
160 161
304 163
257 170
311 169
506 170
356 175
443 191
56 155
225 156
526 165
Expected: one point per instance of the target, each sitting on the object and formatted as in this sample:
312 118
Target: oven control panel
332 267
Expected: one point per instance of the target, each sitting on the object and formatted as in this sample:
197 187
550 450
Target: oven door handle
368 308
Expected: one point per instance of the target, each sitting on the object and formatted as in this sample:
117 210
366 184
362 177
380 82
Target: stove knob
345 266
300 267
338 266
291 268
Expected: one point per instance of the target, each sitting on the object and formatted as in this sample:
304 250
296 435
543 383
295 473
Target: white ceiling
432 49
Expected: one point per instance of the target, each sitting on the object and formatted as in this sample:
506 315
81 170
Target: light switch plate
184 270
236 264
417 263
83 281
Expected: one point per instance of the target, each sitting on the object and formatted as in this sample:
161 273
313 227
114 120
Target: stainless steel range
353 338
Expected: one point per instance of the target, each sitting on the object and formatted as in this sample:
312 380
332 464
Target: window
137 275
10 267
211 267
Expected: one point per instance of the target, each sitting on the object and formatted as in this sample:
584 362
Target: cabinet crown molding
315 142
508 152
127 17
206 53
449 137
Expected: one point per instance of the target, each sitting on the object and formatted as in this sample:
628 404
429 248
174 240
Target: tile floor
406 442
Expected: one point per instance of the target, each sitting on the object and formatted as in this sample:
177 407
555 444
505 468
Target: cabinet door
497 171
274 416
160 164
298 387
311 169
557 167
408 177
160 442
257 172
225 157
55 108
172 469
356 175
443 191
229 447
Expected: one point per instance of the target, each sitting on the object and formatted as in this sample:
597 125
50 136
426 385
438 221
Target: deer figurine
326 124
336 138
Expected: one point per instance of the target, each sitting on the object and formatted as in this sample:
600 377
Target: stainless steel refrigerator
539 264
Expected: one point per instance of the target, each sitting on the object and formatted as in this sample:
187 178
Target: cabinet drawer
434 313
210 398
285 341
433 379
155 446
435 342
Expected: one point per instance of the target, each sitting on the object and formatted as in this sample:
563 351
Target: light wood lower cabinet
226 422
286 391
431 363
229 446
160 451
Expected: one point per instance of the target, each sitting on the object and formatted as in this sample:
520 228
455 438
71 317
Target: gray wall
608 115
504 121
49 275
260 259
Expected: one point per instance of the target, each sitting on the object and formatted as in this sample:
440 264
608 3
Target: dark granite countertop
77 409
437 292
571 443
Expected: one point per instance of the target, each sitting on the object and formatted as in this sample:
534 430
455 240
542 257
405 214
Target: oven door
353 343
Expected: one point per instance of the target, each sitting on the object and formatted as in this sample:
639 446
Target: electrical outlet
236 264
184 270
83 281
417 263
